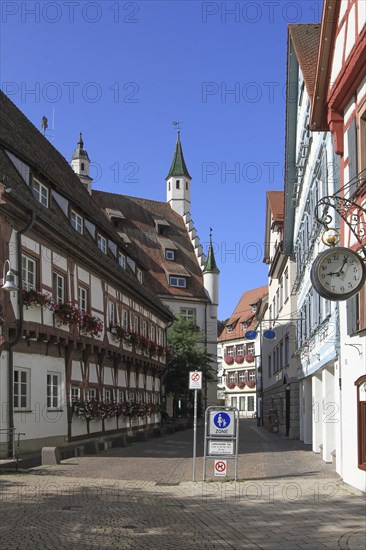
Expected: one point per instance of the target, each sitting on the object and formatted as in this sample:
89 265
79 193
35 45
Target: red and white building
238 356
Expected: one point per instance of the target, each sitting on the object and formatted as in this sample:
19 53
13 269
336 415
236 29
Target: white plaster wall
108 376
351 31
40 422
76 371
93 378
96 293
353 365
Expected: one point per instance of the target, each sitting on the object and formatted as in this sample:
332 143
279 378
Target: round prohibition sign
195 376
220 466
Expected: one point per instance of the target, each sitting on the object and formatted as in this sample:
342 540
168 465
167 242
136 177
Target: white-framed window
92 393
250 401
135 327
75 393
285 285
242 403
108 395
152 333
160 337
40 192
139 275
250 348
232 376
102 244
21 385
53 390
230 351
131 396
234 401
251 374
242 376
125 319
77 222
83 299
169 255
59 287
144 328
122 260
29 272
121 396
177 282
188 312
240 349
111 312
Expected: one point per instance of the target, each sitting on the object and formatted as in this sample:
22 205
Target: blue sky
122 71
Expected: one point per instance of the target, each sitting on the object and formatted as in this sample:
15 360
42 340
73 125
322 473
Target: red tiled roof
243 312
276 201
305 38
148 247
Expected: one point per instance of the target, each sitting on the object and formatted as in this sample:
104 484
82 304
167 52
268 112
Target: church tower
80 163
178 182
211 276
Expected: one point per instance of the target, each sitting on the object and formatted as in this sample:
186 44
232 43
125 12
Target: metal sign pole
194 435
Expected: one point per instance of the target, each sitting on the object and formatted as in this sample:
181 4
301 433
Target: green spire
210 265
178 167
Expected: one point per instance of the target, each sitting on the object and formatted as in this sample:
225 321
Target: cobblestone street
142 497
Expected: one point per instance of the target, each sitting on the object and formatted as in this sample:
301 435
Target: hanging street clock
338 273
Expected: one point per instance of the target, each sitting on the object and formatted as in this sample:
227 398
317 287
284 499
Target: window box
91 324
239 359
230 385
229 360
67 314
251 384
34 298
241 385
249 358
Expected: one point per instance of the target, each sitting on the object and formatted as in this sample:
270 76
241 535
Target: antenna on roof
177 123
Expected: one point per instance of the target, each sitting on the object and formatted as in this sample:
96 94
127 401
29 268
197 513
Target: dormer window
245 325
169 255
229 328
40 192
102 244
77 222
179 282
139 274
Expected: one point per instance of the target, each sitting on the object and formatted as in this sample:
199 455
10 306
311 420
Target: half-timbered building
83 340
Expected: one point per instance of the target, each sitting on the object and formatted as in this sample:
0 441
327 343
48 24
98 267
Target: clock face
338 274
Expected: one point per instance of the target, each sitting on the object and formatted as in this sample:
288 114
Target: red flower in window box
67 314
229 360
230 385
239 359
251 384
249 358
35 298
91 324
241 385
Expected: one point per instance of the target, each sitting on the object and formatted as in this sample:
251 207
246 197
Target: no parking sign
220 468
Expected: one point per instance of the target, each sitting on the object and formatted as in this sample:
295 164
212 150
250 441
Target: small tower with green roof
178 182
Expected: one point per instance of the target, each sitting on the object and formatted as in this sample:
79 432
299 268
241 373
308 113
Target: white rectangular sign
221 448
222 423
195 380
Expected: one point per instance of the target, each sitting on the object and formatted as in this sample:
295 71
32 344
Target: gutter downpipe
11 441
